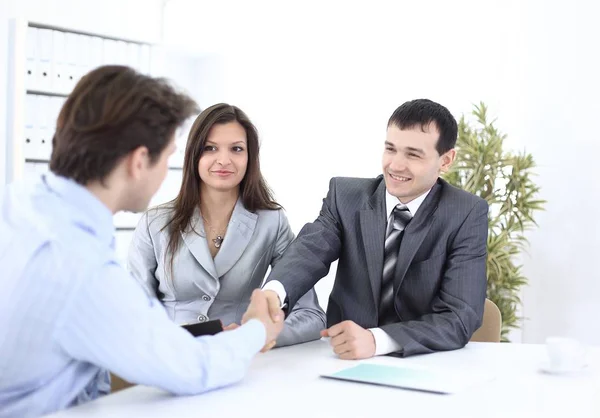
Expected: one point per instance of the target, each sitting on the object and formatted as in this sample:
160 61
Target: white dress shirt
384 344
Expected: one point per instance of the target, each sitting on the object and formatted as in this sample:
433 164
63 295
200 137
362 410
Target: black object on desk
204 328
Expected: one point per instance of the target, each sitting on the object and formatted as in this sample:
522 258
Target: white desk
287 379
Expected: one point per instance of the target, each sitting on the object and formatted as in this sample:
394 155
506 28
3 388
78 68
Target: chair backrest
117 383
491 326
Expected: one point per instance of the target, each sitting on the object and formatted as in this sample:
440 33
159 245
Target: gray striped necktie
399 218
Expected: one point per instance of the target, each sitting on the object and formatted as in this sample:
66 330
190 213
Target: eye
209 148
389 149
413 155
238 149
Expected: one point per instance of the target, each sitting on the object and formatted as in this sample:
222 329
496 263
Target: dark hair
254 191
112 111
422 112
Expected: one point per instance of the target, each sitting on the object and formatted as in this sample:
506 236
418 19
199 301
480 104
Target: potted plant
505 180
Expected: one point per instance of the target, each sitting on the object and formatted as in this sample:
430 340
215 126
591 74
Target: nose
223 158
398 163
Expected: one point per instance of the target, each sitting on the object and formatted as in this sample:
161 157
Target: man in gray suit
411 275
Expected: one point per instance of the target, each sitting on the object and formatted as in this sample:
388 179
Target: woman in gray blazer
203 253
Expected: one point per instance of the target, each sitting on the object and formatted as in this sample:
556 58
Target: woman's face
224 159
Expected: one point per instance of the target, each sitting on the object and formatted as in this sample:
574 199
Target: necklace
220 237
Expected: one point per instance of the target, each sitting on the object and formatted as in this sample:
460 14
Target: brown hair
254 191
112 111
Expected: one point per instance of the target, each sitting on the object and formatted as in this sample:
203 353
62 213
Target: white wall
560 92
320 80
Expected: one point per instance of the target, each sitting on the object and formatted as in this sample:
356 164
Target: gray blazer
440 277
202 288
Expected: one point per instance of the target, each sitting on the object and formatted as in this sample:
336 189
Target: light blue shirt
69 312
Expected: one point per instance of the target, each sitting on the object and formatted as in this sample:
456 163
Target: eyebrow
208 142
410 149
417 150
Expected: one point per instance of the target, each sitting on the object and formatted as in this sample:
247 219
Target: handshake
266 307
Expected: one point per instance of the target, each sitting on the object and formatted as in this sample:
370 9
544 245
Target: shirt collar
92 214
391 202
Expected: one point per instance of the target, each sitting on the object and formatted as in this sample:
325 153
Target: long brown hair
254 191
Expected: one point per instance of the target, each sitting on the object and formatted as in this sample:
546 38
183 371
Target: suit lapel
373 224
238 235
194 238
415 233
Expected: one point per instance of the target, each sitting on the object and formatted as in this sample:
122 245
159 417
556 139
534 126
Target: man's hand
231 326
350 341
259 309
274 305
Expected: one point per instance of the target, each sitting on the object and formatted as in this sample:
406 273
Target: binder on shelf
60 71
31 138
72 51
44 145
31 59
96 48
145 59
109 52
133 55
44 53
84 52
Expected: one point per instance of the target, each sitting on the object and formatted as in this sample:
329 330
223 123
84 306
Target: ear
137 162
447 159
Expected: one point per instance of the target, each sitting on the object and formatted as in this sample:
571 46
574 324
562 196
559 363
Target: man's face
411 163
149 179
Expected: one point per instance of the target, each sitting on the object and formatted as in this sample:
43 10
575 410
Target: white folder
31 138
44 145
44 52
31 59
59 73
29 172
109 52
145 59
126 219
72 51
133 55
96 46
84 52
122 51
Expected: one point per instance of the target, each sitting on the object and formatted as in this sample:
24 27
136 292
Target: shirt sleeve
110 321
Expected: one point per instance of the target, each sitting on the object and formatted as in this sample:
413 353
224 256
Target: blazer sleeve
308 258
141 261
307 318
458 306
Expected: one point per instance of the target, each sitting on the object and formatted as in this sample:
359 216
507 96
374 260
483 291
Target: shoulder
353 192
456 200
355 185
271 218
156 218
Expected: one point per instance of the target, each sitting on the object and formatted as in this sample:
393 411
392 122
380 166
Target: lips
401 179
222 173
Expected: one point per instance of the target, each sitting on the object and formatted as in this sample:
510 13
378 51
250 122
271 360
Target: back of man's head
112 111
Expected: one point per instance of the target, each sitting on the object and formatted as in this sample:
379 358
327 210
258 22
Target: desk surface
287 379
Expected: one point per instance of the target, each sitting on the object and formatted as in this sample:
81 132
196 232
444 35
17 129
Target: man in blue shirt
68 311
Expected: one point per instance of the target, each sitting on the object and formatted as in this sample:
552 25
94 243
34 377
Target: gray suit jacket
440 277
202 288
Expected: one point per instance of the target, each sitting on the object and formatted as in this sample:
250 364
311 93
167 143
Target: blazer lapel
373 224
238 235
415 233
194 238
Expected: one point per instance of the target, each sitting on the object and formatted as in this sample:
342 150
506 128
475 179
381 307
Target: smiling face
222 165
411 163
